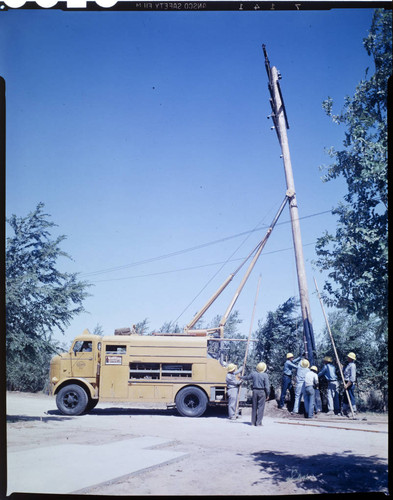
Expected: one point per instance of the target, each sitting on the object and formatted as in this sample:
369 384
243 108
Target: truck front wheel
191 402
72 400
92 403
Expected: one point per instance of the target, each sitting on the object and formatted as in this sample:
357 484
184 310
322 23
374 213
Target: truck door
83 359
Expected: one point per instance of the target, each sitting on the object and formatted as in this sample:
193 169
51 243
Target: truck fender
90 390
191 385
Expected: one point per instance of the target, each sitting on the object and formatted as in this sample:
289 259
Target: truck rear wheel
191 402
72 400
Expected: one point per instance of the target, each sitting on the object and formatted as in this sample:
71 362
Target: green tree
98 330
169 327
142 326
39 298
356 257
279 334
29 372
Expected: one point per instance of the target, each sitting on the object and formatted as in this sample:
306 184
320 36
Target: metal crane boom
257 251
251 266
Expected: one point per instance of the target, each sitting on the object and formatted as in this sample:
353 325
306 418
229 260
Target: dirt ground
286 456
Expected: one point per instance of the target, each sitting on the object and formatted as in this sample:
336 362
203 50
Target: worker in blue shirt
350 380
329 372
289 365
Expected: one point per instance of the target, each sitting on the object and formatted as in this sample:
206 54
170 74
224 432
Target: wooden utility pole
280 121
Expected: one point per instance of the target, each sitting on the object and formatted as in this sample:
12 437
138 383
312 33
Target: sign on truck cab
138 368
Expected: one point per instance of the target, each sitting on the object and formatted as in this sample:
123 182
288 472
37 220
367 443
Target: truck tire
72 400
191 402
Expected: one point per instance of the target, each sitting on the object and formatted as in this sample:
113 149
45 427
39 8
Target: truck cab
79 367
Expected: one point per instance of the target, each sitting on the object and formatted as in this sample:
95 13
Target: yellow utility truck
173 369
185 369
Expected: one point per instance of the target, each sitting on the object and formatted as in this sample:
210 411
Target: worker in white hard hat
260 392
290 364
311 384
329 372
302 369
233 383
350 380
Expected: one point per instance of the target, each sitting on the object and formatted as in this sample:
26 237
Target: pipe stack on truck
177 369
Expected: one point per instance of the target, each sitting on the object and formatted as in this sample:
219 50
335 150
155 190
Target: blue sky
145 134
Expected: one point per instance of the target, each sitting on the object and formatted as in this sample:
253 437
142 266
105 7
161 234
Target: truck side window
83 346
115 349
87 346
160 371
145 370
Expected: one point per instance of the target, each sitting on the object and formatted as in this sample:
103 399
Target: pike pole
248 343
334 348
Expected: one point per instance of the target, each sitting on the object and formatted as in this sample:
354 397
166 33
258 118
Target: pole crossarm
276 107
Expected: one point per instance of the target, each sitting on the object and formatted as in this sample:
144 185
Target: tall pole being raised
280 121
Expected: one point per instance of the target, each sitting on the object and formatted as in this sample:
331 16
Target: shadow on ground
12 419
333 473
113 411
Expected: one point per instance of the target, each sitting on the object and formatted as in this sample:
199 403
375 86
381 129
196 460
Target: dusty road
287 456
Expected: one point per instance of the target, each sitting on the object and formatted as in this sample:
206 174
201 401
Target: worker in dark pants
233 384
260 392
329 372
350 380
